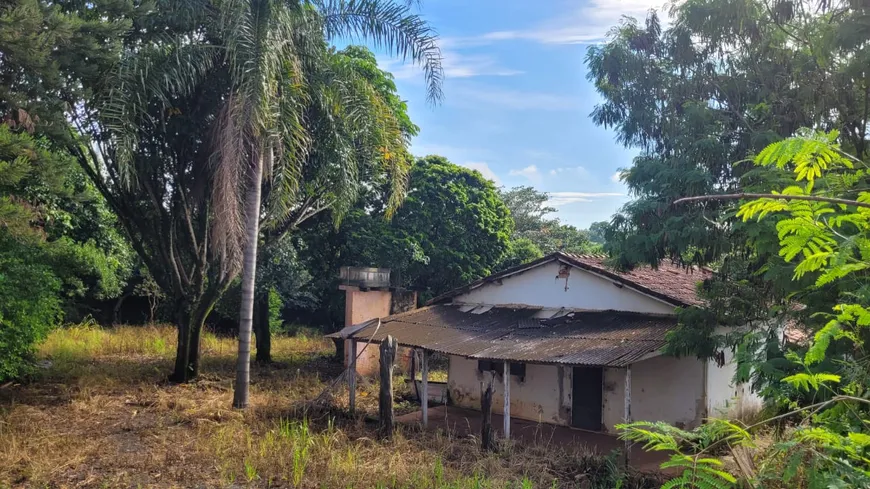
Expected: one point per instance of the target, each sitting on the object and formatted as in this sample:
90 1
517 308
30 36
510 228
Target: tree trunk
190 321
262 329
249 274
182 372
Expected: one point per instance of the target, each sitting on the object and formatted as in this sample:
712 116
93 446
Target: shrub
30 304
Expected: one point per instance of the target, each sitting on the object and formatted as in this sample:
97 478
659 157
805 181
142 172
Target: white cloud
531 172
514 99
615 178
484 169
571 170
562 198
455 64
585 25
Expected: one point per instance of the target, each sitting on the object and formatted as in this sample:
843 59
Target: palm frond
229 165
167 69
389 26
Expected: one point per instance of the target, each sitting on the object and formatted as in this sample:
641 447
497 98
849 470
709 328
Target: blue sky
516 100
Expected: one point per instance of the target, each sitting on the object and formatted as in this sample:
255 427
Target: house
568 341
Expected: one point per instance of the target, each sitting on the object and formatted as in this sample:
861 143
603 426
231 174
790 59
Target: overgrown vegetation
99 416
823 227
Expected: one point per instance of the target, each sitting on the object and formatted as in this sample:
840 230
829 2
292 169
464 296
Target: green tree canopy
716 86
535 224
452 229
58 248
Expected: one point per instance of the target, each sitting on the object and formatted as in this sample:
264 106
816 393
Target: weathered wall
662 389
724 397
403 301
541 286
544 395
361 306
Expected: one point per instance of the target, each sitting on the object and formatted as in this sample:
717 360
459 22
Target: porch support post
506 378
351 377
627 410
424 396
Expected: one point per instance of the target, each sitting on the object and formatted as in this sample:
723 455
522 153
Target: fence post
486 441
385 399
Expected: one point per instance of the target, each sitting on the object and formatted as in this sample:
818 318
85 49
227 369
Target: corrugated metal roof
600 338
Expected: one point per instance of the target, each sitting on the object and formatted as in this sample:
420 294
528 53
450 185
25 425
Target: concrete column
506 378
360 306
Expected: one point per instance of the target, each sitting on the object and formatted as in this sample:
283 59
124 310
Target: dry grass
101 415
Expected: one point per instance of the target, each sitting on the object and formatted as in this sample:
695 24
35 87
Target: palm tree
266 44
262 51
359 132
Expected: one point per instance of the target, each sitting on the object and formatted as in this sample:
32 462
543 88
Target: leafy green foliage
453 228
533 221
825 393
704 91
688 450
25 318
520 250
44 270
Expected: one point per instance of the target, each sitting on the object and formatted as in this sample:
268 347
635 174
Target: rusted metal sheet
607 338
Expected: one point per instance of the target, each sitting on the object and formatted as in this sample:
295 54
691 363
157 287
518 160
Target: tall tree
535 223
724 80
360 131
176 72
452 228
265 44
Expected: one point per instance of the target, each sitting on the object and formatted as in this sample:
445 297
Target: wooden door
586 398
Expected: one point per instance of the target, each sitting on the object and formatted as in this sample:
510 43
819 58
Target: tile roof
669 282
599 338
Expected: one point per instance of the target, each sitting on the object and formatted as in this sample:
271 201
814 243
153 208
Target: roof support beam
351 376
506 379
424 395
627 411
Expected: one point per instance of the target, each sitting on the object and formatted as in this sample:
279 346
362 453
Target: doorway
586 398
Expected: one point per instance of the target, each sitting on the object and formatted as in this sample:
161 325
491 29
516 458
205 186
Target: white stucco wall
541 287
725 399
540 397
662 389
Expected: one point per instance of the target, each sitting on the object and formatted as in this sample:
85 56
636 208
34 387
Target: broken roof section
669 282
590 338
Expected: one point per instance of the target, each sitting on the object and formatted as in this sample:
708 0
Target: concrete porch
466 421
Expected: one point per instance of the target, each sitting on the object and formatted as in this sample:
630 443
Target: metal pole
424 396
506 378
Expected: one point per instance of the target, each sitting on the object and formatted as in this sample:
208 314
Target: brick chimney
368 295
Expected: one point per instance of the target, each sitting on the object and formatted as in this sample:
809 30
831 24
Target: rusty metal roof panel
605 338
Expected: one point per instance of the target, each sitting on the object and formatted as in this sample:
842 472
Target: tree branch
813 198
